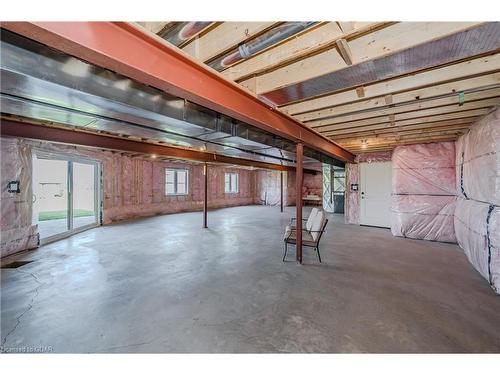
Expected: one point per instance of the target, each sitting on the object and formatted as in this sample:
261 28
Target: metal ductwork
179 33
260 43
65 90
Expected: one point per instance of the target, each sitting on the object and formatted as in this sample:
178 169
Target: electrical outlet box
14 187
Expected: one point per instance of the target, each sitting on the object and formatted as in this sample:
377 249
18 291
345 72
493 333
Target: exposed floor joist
475 84
312 41
419 81
470 115
374 45
427 113
455 101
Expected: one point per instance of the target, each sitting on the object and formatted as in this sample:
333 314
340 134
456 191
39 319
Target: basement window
176 181
231 183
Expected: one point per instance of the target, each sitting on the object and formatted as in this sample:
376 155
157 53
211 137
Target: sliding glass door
65 195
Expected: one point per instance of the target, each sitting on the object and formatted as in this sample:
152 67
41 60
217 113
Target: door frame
44 154
362 186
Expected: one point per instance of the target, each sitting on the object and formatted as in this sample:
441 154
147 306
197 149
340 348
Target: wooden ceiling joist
457 125
312 41
476 105
399 130
446 104
368 47
474 84
469 115
450 73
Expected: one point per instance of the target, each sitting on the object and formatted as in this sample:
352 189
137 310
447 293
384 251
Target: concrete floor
48 228
163 284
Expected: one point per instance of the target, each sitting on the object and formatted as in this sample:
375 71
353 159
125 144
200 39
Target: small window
231 183
176 181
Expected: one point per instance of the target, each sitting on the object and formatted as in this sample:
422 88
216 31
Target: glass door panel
84 194
50 196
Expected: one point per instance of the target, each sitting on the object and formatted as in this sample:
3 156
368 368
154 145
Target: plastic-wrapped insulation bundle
477 227
423 188
478 161
477 215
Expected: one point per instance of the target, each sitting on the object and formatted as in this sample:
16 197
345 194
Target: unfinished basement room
250 187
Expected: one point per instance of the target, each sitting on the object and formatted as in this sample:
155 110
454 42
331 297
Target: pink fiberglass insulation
424 169
477 227
425 217
423 191
374 156
17 230
351 209
313 184
478 161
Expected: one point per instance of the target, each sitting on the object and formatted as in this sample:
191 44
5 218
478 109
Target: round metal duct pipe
260 43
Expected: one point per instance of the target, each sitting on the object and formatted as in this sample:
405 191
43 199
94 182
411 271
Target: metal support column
298 200
281 191
205 200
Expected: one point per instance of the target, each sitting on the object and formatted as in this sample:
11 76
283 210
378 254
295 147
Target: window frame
231 191
176 181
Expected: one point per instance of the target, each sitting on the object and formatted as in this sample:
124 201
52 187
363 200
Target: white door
376 186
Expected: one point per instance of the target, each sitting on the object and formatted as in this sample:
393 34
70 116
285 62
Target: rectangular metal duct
65 90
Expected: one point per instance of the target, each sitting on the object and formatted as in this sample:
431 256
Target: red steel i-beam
131 51
298 200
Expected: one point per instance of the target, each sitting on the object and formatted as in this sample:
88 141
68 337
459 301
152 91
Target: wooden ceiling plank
368 47
445 103
483 65
422 94
224 38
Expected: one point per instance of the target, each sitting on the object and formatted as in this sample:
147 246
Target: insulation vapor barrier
423 187
478 161
17 231
477 229
477 215
424 217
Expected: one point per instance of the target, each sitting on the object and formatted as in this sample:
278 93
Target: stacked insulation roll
477 215
423 191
